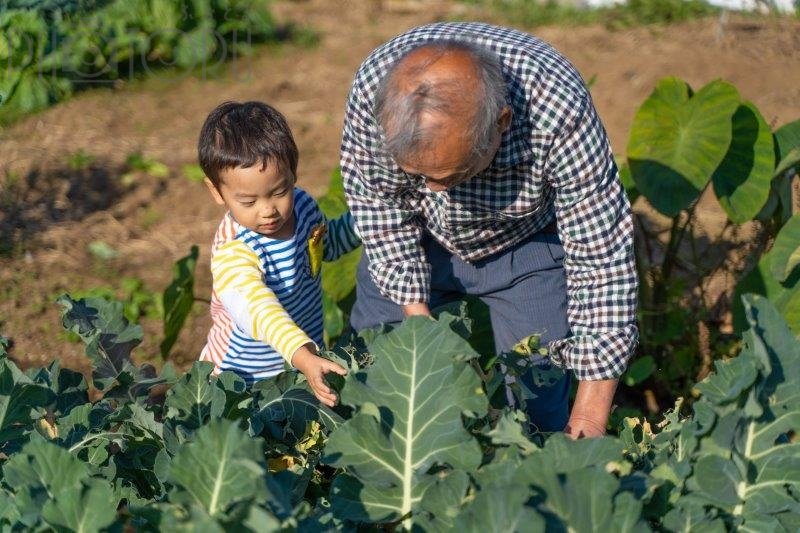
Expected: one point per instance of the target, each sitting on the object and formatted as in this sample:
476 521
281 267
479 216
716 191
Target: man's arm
596 228
390 232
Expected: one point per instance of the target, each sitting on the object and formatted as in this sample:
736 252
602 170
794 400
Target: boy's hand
314 368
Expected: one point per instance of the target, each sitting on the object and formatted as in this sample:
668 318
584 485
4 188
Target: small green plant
80 160
137 163
193 173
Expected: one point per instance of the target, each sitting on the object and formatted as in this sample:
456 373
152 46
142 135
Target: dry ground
155 221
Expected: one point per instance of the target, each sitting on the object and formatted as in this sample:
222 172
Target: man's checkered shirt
554 162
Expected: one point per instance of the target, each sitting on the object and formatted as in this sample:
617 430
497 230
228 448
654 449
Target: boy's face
260 198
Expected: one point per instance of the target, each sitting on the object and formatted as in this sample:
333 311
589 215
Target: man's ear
214 192
504 122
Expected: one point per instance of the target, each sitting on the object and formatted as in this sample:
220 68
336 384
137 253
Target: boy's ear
214 192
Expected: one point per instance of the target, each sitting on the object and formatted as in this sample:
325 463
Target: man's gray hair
399 112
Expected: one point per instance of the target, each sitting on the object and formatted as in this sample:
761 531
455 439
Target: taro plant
683 143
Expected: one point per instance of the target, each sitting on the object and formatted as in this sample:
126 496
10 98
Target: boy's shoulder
226 232
307 212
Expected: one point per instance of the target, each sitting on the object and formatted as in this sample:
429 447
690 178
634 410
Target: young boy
266 303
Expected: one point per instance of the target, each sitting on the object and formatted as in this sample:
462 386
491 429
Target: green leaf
286 415
338 277
90 508
582 500
562 455
785 296
509 431
409 418
742 181
108 336
785 252
499 508
195 48
194 399
333 204
627 183
442 501
221 466
791 160
787 139
44 471
333 318
641 369
18 396
178 299
677 141
729 380
718 480
193 173
102 250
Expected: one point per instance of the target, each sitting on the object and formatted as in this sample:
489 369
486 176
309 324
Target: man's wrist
414 309
593 402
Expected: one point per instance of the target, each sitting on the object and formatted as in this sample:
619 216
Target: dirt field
154 222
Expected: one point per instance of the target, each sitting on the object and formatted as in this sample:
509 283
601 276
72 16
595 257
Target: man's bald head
447 91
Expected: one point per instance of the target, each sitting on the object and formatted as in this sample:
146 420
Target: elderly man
470 153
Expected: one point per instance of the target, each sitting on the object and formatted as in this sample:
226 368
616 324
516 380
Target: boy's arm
340 238
252 305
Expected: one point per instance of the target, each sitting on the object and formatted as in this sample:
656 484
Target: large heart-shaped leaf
785 253
785 296
742 180
410 404
678 140
787 138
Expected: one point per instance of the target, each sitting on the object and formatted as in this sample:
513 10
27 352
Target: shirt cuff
594 357
406 282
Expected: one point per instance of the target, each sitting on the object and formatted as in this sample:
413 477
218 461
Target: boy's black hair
238 135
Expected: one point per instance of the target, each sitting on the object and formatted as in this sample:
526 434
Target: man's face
451 161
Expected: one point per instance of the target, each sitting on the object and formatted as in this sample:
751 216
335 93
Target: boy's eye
279 192
248 204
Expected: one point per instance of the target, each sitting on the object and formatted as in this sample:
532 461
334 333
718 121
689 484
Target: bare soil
49 213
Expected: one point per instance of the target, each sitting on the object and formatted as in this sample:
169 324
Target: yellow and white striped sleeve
251 303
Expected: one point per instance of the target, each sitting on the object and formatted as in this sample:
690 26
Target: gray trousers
525 290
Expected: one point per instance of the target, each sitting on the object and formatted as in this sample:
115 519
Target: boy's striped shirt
265 304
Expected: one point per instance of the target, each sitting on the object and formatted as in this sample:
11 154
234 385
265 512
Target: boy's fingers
327 399
330 365
319 386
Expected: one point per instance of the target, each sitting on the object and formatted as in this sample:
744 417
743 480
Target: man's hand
314 367
591 409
